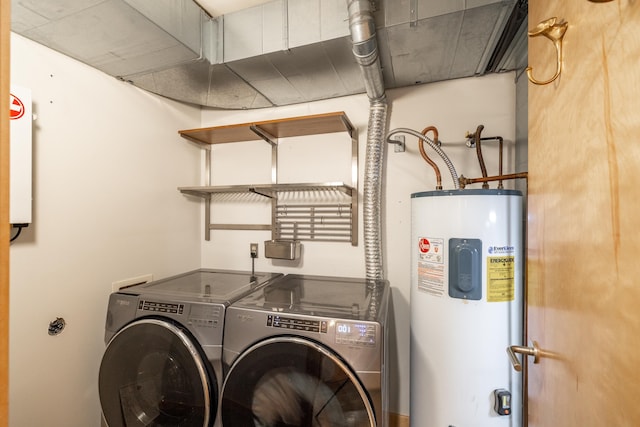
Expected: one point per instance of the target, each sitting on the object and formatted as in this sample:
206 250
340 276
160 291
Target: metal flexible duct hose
372 204
365 50
438 150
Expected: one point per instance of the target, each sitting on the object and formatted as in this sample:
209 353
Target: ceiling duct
511 51
279 53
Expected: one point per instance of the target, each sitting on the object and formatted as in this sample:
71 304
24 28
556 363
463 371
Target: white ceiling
222 7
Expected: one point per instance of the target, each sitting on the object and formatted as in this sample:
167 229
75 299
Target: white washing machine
162 364
307 351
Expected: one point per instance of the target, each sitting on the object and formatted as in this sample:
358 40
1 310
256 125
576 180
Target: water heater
466 307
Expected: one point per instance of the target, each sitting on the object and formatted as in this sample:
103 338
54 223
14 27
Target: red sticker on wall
16 107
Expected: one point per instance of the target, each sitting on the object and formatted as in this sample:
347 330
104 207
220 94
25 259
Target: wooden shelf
280 128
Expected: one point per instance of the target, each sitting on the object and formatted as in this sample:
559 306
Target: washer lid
152 374
205 285
334 297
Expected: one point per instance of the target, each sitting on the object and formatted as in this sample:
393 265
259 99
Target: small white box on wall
20 189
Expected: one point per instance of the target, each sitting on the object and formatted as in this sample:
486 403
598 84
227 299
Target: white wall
454 107
107 161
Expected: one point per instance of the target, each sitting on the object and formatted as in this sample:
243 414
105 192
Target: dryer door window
291 381
152 374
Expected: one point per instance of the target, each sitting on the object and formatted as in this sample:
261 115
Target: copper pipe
500 141
466 181
500 144
427 158
477 139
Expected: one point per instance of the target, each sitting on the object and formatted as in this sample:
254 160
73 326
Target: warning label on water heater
500 278
431 266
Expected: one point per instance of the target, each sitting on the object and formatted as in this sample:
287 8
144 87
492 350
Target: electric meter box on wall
466 306
20 164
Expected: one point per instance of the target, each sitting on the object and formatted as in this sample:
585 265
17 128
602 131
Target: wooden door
584 217
4 212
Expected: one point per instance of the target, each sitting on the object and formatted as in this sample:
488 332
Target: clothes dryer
307 351
162 364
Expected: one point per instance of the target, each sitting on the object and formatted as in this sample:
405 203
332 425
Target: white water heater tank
466 307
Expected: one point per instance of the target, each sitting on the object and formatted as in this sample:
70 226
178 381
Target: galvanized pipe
365 50
365 46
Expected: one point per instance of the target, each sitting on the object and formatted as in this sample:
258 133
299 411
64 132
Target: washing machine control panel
355 333
297 324
161 307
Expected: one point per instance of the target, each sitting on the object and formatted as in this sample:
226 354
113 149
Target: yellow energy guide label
500 278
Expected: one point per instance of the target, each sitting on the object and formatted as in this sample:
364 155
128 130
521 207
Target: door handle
534 351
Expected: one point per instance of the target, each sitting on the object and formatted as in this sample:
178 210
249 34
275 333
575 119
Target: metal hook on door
554 30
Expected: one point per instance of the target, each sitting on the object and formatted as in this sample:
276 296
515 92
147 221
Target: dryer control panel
355 333
350 333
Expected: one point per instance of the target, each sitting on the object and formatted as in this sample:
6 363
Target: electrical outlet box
254 250
125 283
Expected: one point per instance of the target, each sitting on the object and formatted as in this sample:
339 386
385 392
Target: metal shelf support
320 221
